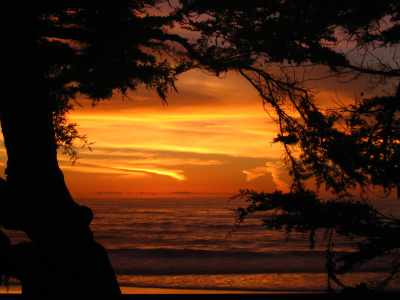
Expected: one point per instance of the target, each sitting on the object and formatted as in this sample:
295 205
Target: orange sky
212 137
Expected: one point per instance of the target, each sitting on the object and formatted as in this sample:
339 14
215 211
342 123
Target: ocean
194 244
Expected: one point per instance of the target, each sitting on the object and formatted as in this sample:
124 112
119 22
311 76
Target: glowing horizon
213 136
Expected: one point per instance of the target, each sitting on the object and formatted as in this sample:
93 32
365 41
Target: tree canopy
355 146
268 42
55 52
84 48
71 48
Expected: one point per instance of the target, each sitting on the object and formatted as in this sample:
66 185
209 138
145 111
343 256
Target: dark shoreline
266 296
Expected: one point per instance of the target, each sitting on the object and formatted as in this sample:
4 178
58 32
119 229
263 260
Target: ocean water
194 244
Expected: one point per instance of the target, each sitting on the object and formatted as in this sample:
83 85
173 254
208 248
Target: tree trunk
63 258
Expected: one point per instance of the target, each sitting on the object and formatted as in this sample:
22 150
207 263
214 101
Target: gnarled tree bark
62 257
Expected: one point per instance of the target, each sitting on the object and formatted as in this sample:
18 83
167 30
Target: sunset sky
213 137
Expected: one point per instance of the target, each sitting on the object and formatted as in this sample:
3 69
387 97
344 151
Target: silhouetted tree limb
59 51
72 48
354 146
302 211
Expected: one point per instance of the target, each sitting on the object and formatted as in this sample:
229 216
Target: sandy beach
148 291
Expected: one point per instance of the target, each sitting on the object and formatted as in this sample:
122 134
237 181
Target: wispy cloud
276 169
255 173
122 170
176 174
96 169
201 142
232 133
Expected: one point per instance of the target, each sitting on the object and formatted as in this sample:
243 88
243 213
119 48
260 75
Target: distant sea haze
193 243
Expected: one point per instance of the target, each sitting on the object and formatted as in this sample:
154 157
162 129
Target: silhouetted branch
302 211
